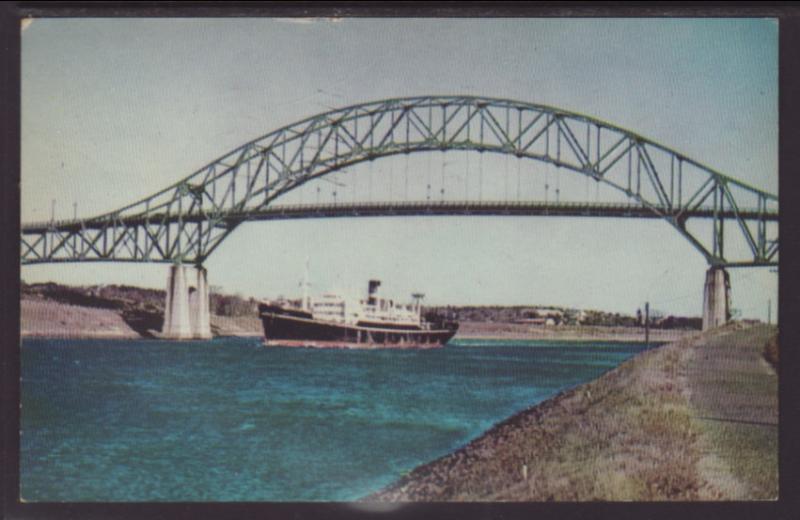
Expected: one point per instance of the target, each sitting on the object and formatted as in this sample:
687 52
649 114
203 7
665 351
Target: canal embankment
695 419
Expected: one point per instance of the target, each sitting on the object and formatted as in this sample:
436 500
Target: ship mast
306 302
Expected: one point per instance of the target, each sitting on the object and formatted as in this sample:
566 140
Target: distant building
540 322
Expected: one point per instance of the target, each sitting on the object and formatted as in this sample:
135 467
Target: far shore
49 319
511 331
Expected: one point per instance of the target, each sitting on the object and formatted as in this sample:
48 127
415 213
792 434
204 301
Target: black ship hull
294 327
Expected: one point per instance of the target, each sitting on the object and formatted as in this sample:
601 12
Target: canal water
232 420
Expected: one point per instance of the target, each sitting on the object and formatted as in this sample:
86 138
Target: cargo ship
334 321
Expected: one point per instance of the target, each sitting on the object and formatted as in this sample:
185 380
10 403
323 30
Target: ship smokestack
418 301
373 287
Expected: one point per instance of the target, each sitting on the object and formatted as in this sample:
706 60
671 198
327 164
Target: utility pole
647 324
769 302
769 311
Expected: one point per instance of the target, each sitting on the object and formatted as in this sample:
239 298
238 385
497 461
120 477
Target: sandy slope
52 319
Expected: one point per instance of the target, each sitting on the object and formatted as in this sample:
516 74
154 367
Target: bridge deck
421 208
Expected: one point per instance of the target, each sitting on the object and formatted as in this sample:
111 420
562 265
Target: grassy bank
666 425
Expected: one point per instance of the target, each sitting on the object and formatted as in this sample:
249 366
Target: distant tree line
563 316
232 305
122 297
100 296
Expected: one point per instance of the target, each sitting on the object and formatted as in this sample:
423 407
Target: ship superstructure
335 320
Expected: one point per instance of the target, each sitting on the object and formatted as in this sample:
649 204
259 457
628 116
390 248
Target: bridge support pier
716 298
186 313
199 307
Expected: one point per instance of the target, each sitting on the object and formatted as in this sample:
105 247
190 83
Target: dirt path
735 394
640 432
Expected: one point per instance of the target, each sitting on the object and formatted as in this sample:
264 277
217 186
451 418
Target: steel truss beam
188 220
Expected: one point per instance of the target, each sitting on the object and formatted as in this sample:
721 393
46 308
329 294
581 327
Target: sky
116 109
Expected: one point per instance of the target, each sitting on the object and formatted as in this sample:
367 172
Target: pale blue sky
113 110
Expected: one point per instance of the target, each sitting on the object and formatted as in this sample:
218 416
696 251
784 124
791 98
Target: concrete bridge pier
186 312
716 298
199 313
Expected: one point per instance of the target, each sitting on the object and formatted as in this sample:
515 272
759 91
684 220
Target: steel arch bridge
187 221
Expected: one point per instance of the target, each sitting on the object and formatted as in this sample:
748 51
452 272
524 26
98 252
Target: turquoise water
231 420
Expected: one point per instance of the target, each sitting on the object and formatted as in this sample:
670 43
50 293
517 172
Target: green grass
751 452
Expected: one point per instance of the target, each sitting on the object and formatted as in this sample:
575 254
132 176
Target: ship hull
298 329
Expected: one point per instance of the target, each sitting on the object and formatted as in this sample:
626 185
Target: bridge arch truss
187 221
